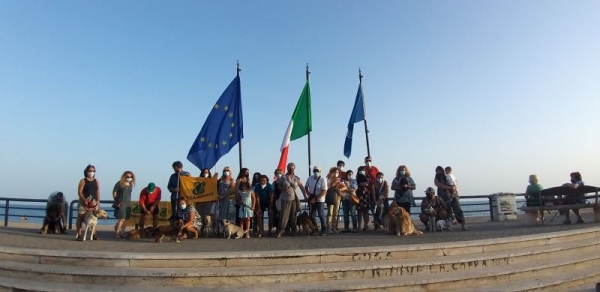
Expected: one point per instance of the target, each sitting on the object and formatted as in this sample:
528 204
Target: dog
173 231
400 222
90 219
231 229
308 227
140 233
208 225
52 220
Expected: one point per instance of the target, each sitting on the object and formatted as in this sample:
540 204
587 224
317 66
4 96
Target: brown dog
140 233
173 231
208 225
307 225
400 222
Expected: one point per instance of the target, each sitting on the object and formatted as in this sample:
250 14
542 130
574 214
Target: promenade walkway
25 235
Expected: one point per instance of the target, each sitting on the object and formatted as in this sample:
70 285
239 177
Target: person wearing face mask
225 186
366 194
403 186
89 196
347 204
205 208
122 201
205 173
264 193
173 185
149 198
287 184
336 188
275 204
255 179
370 170
316 186
341 165
432 206
192 220
381 200
247 201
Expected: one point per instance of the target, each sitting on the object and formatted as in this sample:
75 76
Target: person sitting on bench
532 193
576 182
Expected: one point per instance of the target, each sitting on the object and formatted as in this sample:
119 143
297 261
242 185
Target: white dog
231 229
90 219
444 225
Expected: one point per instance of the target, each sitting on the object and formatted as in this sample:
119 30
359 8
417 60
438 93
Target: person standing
316 186
347 204
449 194
366 194
205 208
173 185
225 186
246 200
264 194
370 170
122 201
341 165
287 184
403 186
89 197
335 190
149 198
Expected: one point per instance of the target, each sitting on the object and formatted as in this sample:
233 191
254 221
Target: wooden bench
552 199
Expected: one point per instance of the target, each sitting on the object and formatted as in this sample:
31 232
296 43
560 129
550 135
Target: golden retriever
400 223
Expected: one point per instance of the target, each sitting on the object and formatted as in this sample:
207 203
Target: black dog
52 220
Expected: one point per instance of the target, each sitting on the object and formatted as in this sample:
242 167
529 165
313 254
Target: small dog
208 225
231 229
172 231
308 227
140 233
90 219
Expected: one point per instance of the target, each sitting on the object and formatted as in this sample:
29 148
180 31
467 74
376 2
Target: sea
35 212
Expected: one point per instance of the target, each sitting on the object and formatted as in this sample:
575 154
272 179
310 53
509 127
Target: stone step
240 276
571 280
458 281
297 257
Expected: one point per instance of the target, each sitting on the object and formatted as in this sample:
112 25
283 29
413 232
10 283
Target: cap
151 187
316 168
430 190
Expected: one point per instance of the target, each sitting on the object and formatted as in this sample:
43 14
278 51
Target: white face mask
263 185
183 206
368 163
91 173
128 179
226 173
205 175
341 168
279 175
337 174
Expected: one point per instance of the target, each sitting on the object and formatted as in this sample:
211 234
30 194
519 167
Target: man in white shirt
316 186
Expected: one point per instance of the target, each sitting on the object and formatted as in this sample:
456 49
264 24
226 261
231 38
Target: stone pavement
28 237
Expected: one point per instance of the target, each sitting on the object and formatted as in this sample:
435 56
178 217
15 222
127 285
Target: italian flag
300 125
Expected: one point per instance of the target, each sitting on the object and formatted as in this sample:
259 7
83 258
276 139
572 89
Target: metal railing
7 208
71 209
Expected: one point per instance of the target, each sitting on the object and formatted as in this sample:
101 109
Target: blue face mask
402 172
573 180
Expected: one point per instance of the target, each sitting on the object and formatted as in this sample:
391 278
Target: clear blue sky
496 89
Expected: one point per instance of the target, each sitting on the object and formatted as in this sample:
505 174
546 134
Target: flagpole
240 140
360 76
308 121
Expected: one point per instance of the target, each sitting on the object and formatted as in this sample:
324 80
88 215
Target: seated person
55 213
532 193
192 222
576 182
432 205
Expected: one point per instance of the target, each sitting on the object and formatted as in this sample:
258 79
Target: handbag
354 199
115 204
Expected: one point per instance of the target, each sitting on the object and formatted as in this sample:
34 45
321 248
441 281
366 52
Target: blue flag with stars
222 129
358 114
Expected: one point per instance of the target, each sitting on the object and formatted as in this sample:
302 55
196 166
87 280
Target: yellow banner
164 213
198 189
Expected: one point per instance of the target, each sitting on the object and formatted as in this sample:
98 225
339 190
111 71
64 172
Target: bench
552 199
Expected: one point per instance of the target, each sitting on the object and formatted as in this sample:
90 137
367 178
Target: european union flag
222 129
358 114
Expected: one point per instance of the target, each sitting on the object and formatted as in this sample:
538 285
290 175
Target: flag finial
238 67
360 76
307 72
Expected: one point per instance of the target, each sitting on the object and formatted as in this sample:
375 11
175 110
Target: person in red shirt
370 170
149 199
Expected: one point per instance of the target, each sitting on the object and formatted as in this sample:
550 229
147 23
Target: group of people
532 196
359 197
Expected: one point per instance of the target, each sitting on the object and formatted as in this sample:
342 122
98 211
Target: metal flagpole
240 141
308 121
360 76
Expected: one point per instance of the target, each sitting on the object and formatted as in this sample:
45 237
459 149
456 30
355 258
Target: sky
498 90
